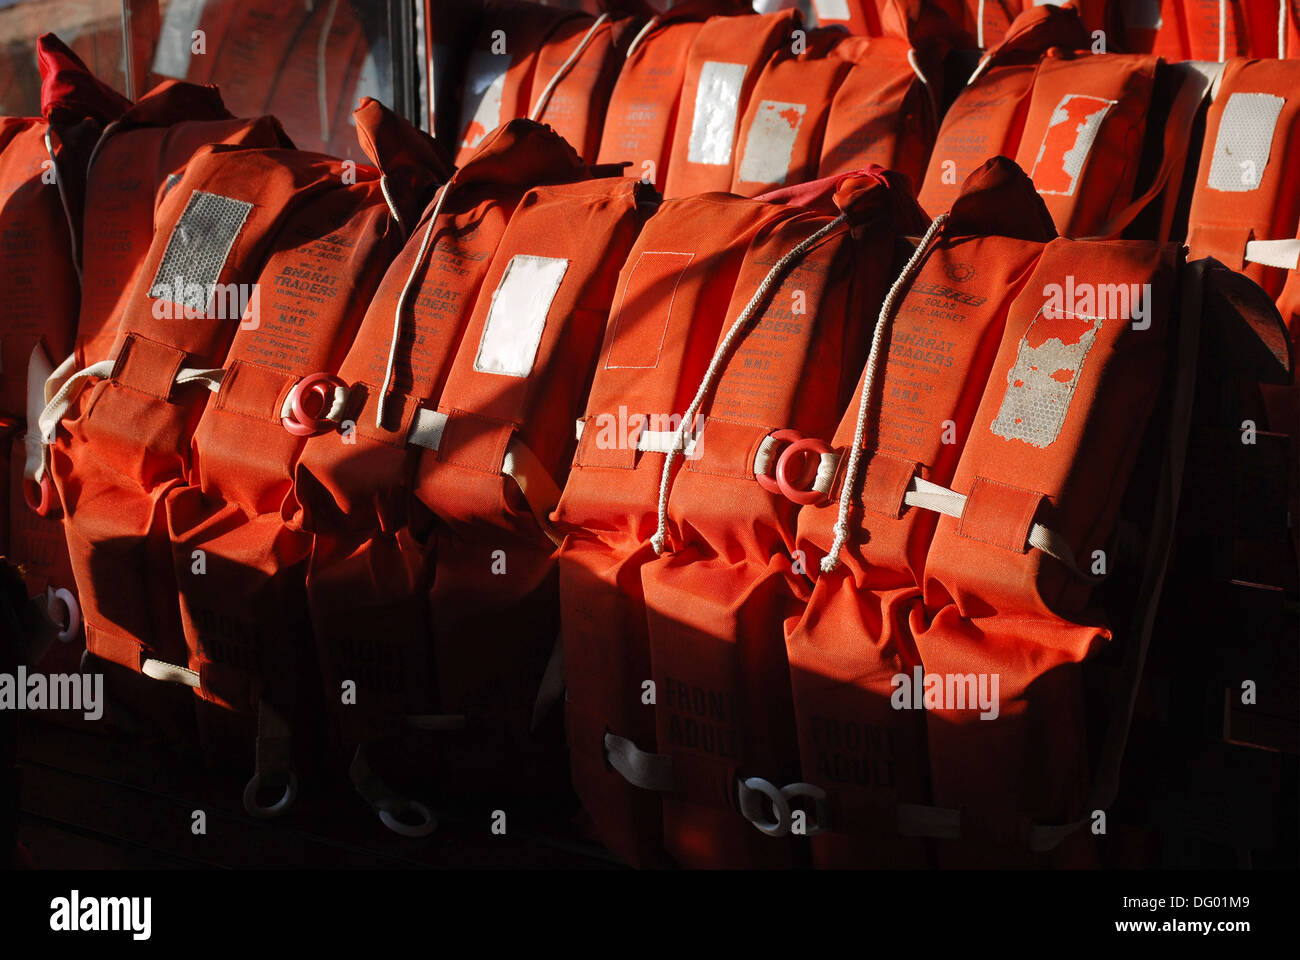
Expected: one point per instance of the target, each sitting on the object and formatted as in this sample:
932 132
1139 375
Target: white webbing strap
720 356
896 291
39 369
58 404
401 302
170 673
662 441
210 377
272 758
649 771
565 67
426 428
1284 254
931 496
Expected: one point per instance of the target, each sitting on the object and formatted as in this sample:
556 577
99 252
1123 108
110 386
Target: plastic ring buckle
766 480
300 423
813 793
783 465
42 500
753 811
286 800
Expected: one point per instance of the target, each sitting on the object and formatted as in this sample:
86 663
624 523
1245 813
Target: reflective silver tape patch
485 81
1067 141
515 320
198 248
1042 381
717 104
770 144
1243 143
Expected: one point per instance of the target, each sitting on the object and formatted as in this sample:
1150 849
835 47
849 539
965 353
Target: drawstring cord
719 358
401 303
641 34
565 67
832 559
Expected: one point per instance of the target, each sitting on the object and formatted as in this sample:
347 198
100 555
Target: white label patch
517 316
1067 141
485 80
198 248
1042 381
1244 141
717 104
831 10
771 142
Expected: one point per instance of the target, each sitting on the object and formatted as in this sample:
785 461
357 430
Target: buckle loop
302 422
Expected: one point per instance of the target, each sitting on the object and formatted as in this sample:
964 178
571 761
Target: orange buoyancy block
120 446
781 131
367 578
722 68
852 638
1005 621
276 388
135 163
986 118
492 473
883 111
574 76
500 77
668 309
642 109
798 326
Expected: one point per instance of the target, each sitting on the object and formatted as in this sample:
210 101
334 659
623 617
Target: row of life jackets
864 644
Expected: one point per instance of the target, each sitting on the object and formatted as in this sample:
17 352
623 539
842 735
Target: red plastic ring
42 501
766 480
798 449
302 423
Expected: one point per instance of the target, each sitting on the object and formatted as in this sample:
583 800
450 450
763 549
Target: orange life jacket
42 189
500 77
234 531
1212 29
723 66
669 306
368 572
121 446
798 328
852 638
641 114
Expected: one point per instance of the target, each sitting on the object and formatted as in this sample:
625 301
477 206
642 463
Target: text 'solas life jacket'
574 76
798 326
501 73
1214 30
134 165
722 68
883 111
42 189
234 529
853 636
780 138
669 305
642 110
120 446
986 117
492 477
367 580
